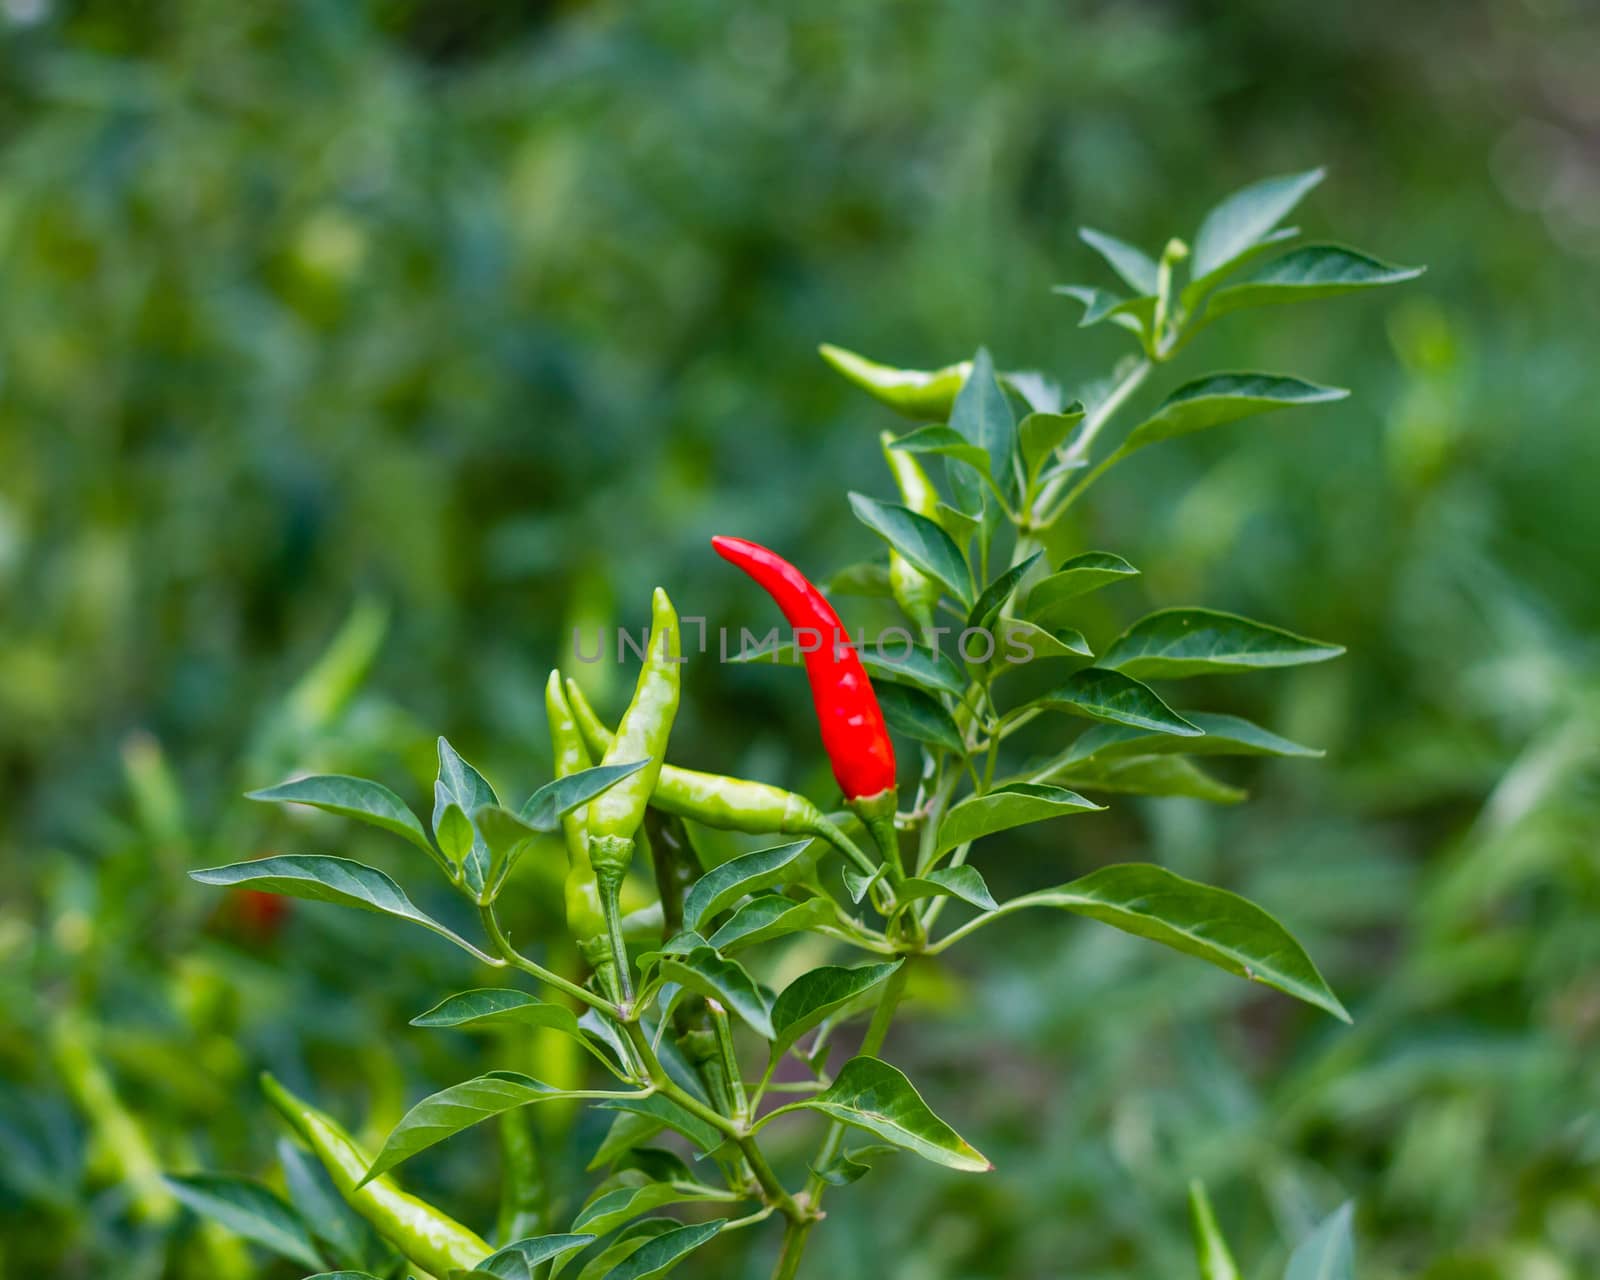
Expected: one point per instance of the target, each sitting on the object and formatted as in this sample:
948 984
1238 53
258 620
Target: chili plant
673 1006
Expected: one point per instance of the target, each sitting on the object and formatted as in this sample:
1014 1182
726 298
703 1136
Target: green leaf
1138 269
995 595
962 882
628 1241
351 1275
247 1209
1312 271
767 917
462 785
627 1131
1133 314
1100 694
610 1210
1173 643
902 663
852 1165
320 879
1013 805
818 994
945 441
1241 220
507 836
725 981
1148 775
324 1211
1077 576
722 886
446 1113
868 578
666 1114
1329 1252
523 1259
1040 434
369 802
1211 1250
982 415
915 714
1022 642
919 540
493 1008
553 801
869 1094
1224 736
661 1254
958 524
455 832
1196 289
1220 398
1221 927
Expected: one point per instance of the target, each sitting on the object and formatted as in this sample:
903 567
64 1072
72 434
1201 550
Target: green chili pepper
727 804
428 1238
917 393
522 1189
585 920
914 591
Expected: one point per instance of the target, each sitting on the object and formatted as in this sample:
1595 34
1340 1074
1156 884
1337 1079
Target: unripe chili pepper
914 591
586 919
727 804
615 814
428 1238
917 393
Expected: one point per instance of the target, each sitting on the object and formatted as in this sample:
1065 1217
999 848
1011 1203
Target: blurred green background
425 329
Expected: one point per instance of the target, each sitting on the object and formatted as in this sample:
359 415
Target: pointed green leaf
1133 314
997 593
1173 643
852 1165
446 1113
599 1262
462 785
946 442
663 1112
453 828
1229 931
919 540
1013 805
962 882
917 393
872 1095
1241 220
915 714
1147 775
523 1259
369 802
1100 694
324 1211
982 415
1329 1252
1040 434
1211 1250
1220 398
553 801
725 981
626 1133
770 916
722 886
1224 736
1196 289
660 1255
493 1008
1137 268
507 836
818 994
901 662
247 1209
1077 576
608 1211
1312 271
319 879
1022 642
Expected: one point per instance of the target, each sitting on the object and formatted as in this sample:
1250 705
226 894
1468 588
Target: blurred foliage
493 313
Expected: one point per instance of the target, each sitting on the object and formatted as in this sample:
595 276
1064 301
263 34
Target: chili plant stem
510 955
794 1247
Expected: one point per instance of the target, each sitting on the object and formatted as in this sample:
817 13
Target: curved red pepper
853 732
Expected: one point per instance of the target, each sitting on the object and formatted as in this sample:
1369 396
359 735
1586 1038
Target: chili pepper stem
877 813
611 905
738 1103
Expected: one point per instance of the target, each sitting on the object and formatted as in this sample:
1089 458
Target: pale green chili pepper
585 920
917 393
728 804
428 1238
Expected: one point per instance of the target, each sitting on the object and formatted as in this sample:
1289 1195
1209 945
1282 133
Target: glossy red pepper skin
853 732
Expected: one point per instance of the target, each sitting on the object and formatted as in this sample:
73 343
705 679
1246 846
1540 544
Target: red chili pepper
853 732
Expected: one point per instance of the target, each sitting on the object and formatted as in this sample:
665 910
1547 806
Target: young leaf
982 415
1133 314
1312 271
507 836
446 1113
770 916
945 441
319 879
915 714
1211 1250
247 1209
357 798
818 994
1245 217
1102 694
1148 775
492 1008
1137 268
870 1094
722 886
1221 927
919 540
1189 298
660 1255
1224 736
1172 643
851 1166
523 1259
462 785
725 981
610 1210
1077 576
452 828
1040 434
1220 398
553 801
962 882
1013 805
1329 1252
995 595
